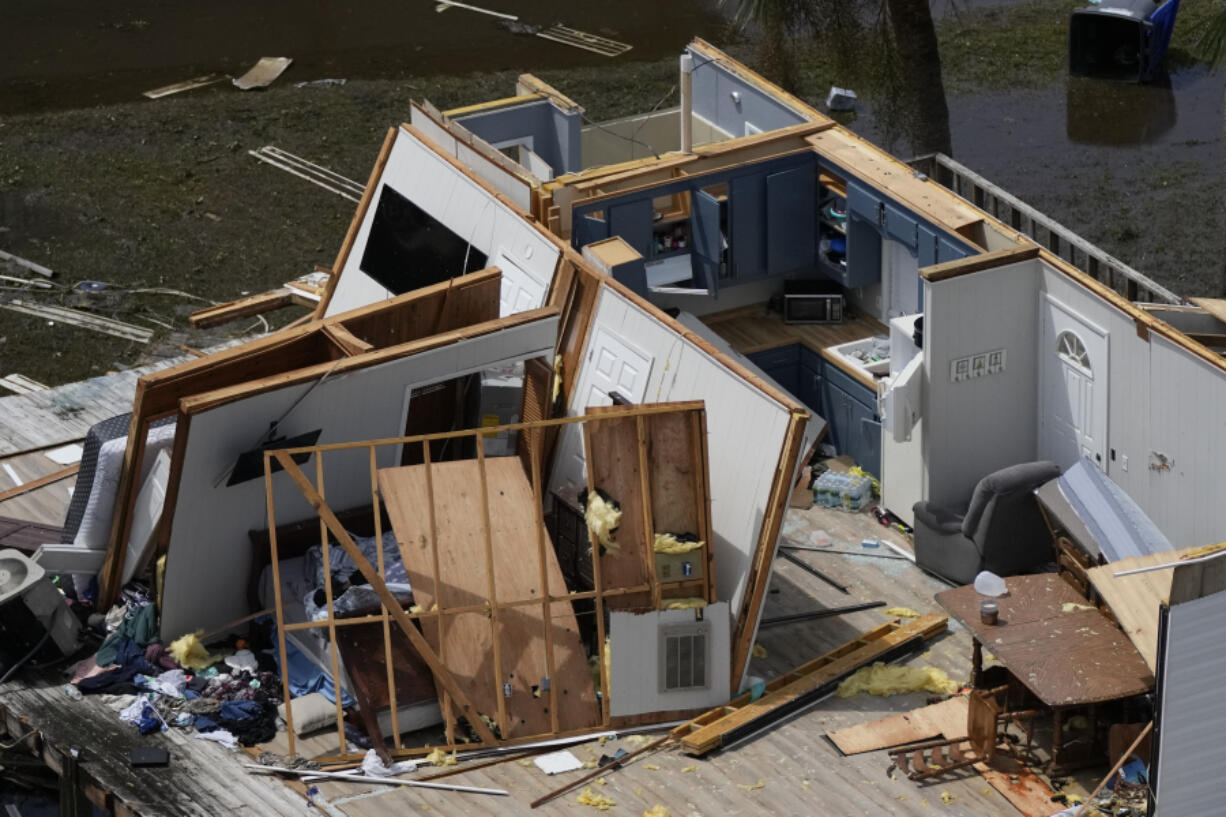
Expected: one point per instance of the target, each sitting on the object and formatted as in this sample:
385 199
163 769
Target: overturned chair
986 737
1002 530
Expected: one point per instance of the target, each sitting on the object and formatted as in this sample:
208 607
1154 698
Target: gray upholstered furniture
1002 529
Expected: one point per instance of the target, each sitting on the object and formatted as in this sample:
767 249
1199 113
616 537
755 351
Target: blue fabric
305 676
206 723
240 711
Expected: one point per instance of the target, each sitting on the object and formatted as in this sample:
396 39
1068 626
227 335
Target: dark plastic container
1121 39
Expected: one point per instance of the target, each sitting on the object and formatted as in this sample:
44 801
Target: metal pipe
687 103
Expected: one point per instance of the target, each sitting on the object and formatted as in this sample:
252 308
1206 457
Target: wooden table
1067 659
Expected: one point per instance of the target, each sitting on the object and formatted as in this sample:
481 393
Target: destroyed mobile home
520 480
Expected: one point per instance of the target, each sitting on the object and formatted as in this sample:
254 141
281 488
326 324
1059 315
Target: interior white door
1072 387
521 290
610 364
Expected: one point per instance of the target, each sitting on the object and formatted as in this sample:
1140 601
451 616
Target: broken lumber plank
20 384
785 694
603 46
185 85
85 320
26 263
34 484
947 718
241 308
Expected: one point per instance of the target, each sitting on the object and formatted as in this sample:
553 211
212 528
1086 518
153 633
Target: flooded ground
100 184
1139 170
73 53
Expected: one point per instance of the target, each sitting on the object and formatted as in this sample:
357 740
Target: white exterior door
610 365
520 290
1073 387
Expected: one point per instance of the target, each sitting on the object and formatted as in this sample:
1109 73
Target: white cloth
170 683
133 712
243 659
219 736
372 766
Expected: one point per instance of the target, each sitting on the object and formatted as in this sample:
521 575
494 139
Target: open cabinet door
708 240
588 229
901 401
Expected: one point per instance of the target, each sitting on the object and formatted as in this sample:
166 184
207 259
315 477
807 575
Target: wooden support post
389 601
491 589
596 583
649 533
387 622
333 649
698 431
427 463
276 595
535 440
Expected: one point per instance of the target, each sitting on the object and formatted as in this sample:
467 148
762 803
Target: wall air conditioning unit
31 607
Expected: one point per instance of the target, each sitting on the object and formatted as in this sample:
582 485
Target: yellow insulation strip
602 519
884 680
685 604
668 543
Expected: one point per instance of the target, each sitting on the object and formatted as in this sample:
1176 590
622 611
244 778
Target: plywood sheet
467 645
614 468
1134 600
945 719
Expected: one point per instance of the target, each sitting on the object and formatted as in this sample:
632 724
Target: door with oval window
1073 387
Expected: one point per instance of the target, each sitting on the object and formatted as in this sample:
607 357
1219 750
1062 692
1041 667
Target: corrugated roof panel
1193 714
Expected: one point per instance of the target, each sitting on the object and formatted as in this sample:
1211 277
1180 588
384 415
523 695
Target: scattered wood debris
85 320
263 73
185 85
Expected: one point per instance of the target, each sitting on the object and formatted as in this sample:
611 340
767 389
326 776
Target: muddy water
1136 169
76 53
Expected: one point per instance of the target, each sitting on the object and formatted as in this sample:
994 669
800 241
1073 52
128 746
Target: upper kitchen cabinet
791 220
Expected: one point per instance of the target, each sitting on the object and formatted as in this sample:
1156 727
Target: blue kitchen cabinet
782 365
811 374
851 410
747 223
791 220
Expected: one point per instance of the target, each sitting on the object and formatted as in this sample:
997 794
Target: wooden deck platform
799 769
41 419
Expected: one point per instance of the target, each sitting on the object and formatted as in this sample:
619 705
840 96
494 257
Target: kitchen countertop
751 329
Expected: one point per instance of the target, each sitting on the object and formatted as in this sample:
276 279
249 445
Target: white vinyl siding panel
1191 716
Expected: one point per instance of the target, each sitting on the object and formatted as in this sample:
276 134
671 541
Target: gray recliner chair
1002 530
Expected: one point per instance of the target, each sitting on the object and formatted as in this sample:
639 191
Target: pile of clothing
231 700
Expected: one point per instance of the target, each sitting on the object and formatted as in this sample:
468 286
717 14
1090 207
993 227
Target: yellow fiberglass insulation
603 515
885 679
656 811
601 802
557 379
191 653
901 612
685 604
440 758
671 543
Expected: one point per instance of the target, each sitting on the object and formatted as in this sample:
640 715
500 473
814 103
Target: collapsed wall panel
208 554
445 511
426 218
